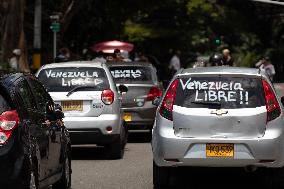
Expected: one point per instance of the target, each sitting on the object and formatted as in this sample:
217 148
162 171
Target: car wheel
65 180
161 176
274 178
116 149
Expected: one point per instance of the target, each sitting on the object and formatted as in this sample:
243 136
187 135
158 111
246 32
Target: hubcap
32 181
67 171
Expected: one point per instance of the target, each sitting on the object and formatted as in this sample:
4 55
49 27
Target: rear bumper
92 130
141 117
170 150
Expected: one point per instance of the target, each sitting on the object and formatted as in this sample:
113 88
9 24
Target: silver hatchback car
90 101
218 117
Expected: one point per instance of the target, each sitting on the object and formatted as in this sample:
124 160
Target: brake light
153 93
107 96
272 106
166 109
9 120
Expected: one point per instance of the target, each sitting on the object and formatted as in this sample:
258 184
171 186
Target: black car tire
65 180
274 178
116 148
161 176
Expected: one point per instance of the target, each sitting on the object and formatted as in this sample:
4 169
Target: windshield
67 78
220 92
131 74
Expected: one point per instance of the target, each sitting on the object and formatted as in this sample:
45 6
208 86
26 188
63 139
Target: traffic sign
55 27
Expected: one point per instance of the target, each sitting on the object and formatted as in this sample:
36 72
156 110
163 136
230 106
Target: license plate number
220 150
127 117
73 105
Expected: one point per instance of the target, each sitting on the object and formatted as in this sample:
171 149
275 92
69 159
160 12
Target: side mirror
122 89
156 101
282 100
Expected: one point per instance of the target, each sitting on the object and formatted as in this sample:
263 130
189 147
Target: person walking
14 60
174 65
265 65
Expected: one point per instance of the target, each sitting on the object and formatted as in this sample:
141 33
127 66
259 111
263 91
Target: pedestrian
14 60
174 65
227 58
63 55
117 57
265 65
100 57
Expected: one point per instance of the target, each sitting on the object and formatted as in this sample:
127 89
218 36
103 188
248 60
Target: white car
219 117
90 101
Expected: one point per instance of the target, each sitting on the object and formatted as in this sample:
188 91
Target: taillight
153 93
272 106
9 120
107 96
166 109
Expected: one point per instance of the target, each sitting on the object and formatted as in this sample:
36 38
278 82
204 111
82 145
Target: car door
53 129
32 120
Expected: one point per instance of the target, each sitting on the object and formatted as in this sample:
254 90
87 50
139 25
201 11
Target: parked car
219 117
143 87
35 148
90 101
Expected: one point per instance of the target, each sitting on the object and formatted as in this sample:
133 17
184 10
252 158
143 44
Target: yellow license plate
72 105
220 150
127 117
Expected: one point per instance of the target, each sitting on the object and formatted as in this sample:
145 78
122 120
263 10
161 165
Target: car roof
134 63
74 64
222 70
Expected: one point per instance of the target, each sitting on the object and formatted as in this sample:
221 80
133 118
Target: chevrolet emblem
219 112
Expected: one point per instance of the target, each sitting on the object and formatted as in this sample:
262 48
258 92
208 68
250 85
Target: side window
26 95
41 95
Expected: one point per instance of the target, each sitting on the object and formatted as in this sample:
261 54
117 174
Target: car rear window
65 79
131 74
4 104
220 92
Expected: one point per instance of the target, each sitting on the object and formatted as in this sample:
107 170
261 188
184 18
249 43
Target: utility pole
37 35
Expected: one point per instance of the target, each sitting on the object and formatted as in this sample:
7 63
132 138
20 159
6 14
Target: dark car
35 149
143 87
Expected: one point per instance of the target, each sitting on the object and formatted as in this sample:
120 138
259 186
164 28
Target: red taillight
8 122
107 96
153 93
272 106
168 102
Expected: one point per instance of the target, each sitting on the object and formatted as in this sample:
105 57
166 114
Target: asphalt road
92 170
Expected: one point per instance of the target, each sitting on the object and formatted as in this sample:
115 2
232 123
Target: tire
275 178
161 176
65 180
116 149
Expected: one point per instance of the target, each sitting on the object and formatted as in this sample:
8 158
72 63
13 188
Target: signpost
55 27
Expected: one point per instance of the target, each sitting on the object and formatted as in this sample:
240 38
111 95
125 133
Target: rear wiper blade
76 88
206 103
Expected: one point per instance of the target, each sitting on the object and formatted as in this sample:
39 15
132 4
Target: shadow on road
139 137
89 152
221 178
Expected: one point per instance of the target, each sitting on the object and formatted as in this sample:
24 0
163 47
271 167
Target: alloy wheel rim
32 181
